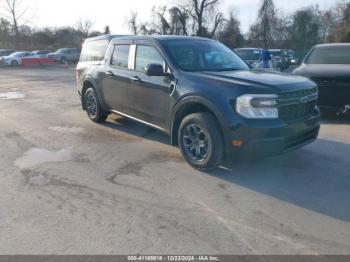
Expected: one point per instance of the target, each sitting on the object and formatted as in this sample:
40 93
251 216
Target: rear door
149 96
116 76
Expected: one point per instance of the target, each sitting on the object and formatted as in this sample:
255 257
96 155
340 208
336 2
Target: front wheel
201 141
14 63
93 107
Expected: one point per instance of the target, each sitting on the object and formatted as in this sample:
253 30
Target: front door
149 96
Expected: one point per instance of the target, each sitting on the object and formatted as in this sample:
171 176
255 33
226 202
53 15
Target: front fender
187 101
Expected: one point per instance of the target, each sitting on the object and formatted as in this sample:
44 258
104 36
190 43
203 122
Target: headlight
257 106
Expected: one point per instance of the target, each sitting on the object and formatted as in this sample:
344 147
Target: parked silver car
64 55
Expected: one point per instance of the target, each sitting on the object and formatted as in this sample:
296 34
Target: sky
56 13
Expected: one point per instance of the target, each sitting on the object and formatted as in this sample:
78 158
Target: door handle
135 79
110 73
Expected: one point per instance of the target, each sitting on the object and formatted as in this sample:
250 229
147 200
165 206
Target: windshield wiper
224 69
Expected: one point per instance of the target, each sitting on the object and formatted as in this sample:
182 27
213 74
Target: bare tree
107 30
341 30
15 11
179 21
200 11
84 26
231 34
203 14
267 20
133 23
160 13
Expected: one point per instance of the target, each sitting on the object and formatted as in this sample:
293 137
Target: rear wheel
63 60
201 141
93 106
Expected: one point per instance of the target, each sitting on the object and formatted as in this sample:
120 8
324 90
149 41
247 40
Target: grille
292 108
296 111
299 93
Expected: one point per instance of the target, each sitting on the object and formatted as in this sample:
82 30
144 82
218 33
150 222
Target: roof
173 37
151 37
333 45
103 37
248 48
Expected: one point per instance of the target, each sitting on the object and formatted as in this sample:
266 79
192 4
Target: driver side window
146 55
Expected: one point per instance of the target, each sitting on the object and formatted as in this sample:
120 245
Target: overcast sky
53 13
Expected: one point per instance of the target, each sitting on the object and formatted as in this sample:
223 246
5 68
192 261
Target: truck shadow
136 129
315 178
337 120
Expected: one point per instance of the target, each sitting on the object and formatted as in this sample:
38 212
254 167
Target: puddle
38 156
12 95
39 180
65 129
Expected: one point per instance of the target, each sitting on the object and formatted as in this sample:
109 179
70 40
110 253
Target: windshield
60 51
249 54
203 55
330 55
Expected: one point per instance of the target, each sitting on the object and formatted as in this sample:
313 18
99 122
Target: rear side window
120 56
94 51
146 55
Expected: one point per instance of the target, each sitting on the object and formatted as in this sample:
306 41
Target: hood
277 81
251 62
323 71
9 57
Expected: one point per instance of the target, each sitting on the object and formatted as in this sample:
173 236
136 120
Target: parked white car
15 59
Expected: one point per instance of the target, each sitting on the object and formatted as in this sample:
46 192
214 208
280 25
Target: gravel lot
69 186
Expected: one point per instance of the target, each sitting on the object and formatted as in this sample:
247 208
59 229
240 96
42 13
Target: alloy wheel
91 105
196 142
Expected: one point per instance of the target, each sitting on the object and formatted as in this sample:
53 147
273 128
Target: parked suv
200 93
64 55
329 66
280 59
252 56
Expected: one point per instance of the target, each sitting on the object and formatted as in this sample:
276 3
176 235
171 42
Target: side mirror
155 70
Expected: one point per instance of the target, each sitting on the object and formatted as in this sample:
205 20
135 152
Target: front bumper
272 137
4 62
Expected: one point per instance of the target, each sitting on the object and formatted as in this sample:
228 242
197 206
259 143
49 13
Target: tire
63 60
14 63
201 141
93 106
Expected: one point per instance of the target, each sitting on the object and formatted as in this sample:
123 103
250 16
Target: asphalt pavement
69 186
